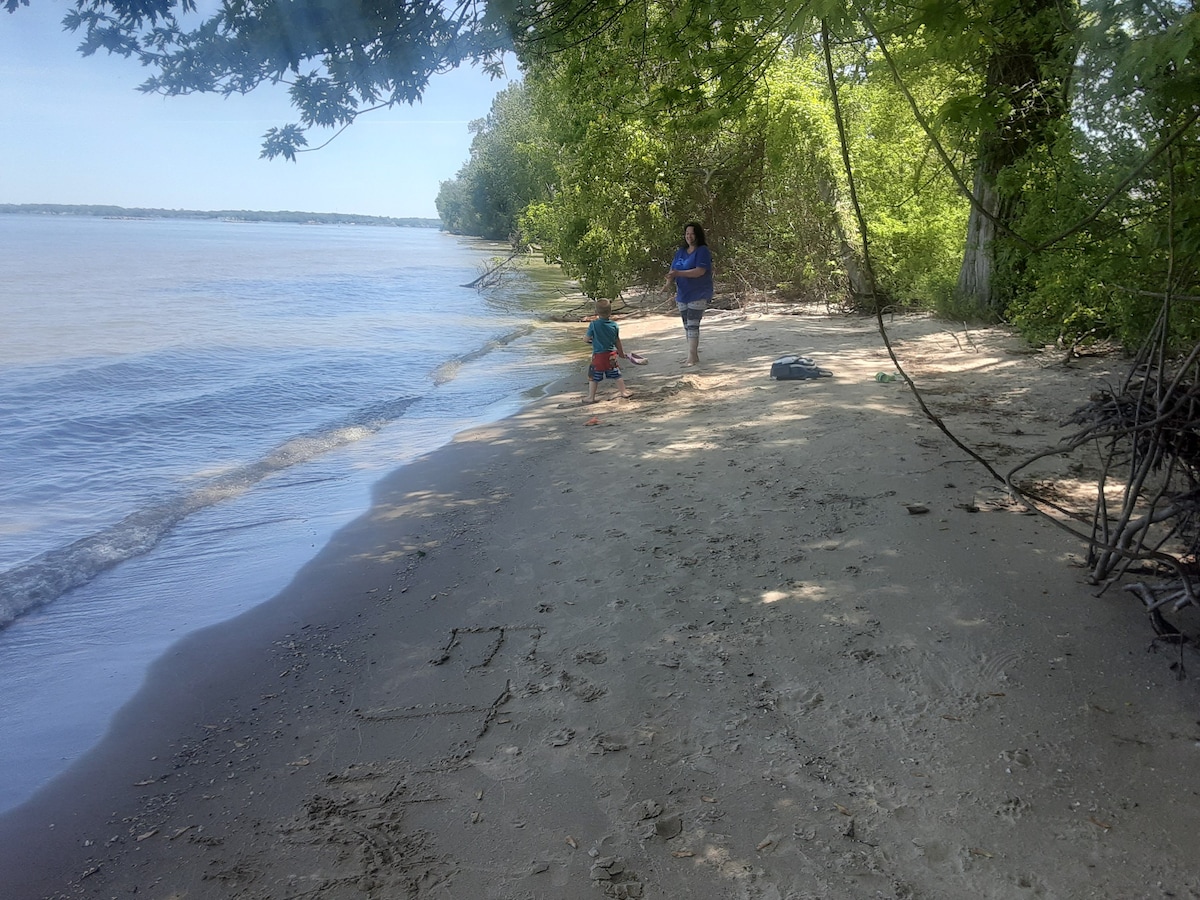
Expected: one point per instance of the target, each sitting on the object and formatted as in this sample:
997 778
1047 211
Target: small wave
55 572
449 370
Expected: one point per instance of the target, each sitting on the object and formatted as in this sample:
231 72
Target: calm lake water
189 409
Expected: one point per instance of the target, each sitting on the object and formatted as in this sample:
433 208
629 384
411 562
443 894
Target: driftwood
491 275
1146 430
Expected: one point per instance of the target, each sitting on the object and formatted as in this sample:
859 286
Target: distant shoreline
227 215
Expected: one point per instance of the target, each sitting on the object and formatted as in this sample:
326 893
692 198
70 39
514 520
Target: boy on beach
606 347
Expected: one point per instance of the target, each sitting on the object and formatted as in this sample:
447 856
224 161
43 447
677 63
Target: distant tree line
240 215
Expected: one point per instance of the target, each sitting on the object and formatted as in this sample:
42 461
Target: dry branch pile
1148 432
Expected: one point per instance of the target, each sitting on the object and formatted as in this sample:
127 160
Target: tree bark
1026 75
858 275
978 263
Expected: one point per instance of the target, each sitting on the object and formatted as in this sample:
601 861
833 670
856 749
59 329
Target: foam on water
187 415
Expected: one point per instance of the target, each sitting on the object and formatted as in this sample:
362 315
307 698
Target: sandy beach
732 638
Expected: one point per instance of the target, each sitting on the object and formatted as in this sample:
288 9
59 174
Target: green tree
794 232
624 172
1027 66
1113 208
708 59
650 146
605 220
504 174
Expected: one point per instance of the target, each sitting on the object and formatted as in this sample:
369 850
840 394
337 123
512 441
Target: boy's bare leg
591 397
624 389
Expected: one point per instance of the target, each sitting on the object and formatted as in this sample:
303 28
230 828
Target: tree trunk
1026 75
978 264
862 286
858 275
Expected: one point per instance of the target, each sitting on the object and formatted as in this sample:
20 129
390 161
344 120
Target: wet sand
697 644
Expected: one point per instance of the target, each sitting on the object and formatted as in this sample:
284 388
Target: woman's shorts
692 313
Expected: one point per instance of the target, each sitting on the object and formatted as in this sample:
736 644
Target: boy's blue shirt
603 335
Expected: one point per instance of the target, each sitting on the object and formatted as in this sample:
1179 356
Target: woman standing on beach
691 272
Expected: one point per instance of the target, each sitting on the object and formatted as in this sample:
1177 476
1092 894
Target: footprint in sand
1016 759
799 701
996 665
585 690
651 822
610 874
609 743
1012 808
646 809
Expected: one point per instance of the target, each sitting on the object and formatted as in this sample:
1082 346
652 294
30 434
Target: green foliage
783 234
622 174
606 211
1122 188
915 214
507 170
1075 126
1108 279
285 142
340 57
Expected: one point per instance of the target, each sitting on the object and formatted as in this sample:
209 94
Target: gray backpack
794 367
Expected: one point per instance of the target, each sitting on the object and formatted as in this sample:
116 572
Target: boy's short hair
603 308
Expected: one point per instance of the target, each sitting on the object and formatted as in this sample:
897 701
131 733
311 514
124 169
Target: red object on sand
594 420
637 359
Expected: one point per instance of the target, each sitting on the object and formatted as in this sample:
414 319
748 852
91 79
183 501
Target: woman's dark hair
701 241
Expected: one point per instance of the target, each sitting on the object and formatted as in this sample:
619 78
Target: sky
76 130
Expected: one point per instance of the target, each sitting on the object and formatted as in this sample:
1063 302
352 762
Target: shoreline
194 693
68 671
699 648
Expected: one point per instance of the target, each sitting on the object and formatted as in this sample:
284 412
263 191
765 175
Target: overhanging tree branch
862 225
